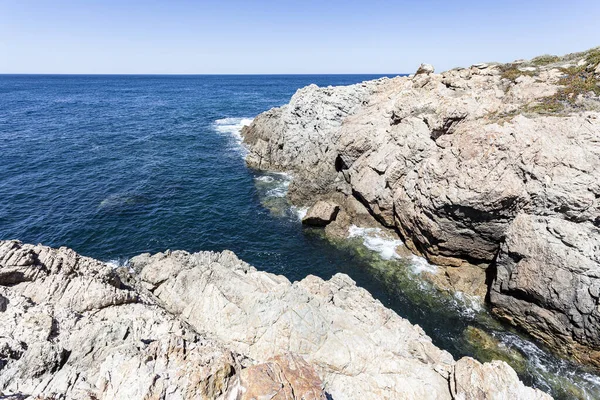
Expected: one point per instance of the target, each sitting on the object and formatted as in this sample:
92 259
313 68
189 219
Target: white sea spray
374 239
233 128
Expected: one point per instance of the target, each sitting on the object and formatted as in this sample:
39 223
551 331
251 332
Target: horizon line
194 74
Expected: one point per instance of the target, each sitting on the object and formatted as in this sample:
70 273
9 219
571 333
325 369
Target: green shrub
512 72
545 60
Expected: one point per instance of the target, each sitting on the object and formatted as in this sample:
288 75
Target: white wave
279 191
266 179
468 305
120 262
373 239
232 125
233 128
419 264
275 183
300 212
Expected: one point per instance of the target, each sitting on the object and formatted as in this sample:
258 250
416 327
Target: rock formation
209 326
492 171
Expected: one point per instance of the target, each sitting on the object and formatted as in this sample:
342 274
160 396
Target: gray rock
547 274
72 329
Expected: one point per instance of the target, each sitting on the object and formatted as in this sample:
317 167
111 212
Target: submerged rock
493 171
488 348
209 326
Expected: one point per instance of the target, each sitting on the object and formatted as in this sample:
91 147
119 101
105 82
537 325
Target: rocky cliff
209 326
492 171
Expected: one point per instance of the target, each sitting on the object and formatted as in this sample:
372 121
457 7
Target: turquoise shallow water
113 166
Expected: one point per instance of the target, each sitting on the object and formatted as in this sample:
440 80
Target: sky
284 36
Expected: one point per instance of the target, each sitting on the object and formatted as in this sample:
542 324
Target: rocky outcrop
209 326
492 171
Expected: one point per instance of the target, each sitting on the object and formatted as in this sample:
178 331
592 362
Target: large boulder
548 274
321 214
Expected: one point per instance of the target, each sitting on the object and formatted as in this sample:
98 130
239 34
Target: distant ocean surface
114 166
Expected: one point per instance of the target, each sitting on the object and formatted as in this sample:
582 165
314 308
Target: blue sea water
114 166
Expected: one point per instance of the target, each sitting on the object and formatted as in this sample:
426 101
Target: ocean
115 166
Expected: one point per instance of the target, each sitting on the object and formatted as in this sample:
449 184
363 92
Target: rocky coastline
491 172
207 325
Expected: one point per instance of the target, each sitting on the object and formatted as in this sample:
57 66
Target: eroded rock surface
209 326
492 170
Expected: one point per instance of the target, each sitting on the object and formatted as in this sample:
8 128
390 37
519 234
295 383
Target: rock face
492 170
209 326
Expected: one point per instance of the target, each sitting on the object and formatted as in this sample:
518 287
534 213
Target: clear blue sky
322 36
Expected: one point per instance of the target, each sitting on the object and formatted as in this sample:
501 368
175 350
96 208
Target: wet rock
321 214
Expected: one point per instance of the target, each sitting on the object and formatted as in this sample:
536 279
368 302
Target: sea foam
375 239
233 128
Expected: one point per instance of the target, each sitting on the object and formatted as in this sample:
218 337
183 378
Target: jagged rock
450 161
209 326
321 214
425 69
